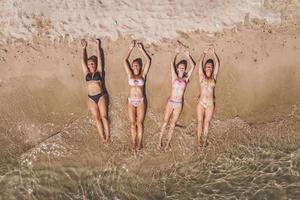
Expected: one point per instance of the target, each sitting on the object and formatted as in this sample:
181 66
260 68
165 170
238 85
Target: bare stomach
177 96
207 95
94 88
136 92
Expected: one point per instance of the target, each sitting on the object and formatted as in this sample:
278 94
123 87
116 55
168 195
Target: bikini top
179 83
95 77
136 82
208 82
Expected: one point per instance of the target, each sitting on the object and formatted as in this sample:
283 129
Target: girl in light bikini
208 72
136 100
175 102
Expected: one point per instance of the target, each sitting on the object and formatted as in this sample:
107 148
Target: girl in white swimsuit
175 102
207 76
136 82
136 99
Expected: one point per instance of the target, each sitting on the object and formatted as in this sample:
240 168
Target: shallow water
242 161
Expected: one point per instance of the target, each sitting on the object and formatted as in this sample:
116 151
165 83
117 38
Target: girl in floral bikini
175 102
207 76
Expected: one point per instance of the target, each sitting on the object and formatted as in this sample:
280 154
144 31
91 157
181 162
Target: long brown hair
94 59
209 61
184 62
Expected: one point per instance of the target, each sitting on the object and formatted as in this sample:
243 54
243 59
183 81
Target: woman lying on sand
96 93
175 102
137 100
207 76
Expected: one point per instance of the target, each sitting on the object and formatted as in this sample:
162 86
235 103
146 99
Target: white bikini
136 82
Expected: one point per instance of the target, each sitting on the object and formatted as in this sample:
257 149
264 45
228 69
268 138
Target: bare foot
200 147
168 147
159 146
205 143
104 141
134 149
140 146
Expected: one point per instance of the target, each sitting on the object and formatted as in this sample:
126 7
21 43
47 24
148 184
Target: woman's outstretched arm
126 61
84 56
201 64
217 62
147 57
192 63
100 54
173 63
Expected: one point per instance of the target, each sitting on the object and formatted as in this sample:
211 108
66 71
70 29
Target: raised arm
200 64
126 61
173 64
147 57
192 63
217 63
100 54
84 56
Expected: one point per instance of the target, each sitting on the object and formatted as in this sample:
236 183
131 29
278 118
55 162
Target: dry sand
151 20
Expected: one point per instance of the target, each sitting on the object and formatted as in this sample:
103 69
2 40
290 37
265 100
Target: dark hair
184 62
94 59
209 61
139 61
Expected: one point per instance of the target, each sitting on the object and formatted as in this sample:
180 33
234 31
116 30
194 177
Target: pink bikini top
179 83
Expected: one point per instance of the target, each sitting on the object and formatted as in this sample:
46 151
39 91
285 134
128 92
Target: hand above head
187 52
84 43
132 44
178 49
207 50
139 45
98 41
211 48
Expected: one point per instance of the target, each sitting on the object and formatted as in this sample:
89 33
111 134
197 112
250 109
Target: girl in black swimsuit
97 102
96 77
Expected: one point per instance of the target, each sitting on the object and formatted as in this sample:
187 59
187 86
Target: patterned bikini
177 85
205 83
136 82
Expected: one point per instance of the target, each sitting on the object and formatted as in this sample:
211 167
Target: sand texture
44 116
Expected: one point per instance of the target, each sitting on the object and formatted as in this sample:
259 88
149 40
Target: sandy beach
46 130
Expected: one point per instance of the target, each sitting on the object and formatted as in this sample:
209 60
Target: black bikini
95 77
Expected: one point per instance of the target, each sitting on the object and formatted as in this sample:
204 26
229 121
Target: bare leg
133 128
168 112
200 116
96 114
140 120
207 119
103 112
176 113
